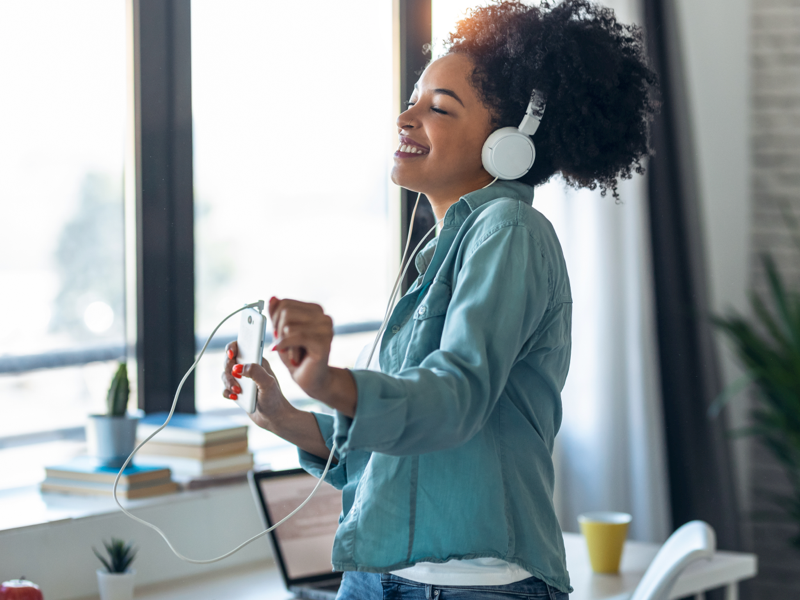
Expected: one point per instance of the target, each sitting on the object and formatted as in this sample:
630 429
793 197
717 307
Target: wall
204 524
775 142
742 63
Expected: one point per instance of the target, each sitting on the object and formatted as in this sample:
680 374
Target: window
293 132
62 116
293 109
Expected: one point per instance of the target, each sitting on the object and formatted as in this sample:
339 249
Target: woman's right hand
270 401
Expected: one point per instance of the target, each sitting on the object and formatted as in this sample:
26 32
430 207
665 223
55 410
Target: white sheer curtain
610 452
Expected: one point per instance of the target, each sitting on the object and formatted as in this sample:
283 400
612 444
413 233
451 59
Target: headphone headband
533 114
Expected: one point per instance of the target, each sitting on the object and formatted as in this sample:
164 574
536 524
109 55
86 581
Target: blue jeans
385 586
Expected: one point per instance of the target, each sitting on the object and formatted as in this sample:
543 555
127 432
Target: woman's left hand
303 334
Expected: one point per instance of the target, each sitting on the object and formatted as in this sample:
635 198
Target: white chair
691 542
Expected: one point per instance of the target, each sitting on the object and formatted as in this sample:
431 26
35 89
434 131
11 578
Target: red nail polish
273 348
237 375
295 362
237 369
234 397
237 389
230 354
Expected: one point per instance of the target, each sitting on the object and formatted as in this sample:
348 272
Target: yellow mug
605 534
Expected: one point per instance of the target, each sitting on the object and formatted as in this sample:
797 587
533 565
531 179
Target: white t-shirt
473 571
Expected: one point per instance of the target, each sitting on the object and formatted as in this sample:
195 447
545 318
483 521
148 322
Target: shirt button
422 310
395 329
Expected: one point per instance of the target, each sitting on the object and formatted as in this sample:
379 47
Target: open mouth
408 148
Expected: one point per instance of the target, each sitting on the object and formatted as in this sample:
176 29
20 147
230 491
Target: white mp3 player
252 329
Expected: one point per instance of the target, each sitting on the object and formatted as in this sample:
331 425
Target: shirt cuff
380 413
337 474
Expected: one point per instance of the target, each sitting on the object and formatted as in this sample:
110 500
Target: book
191 467
200 452
97 488
197 429
89 468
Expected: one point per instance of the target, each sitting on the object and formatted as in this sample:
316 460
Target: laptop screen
304 543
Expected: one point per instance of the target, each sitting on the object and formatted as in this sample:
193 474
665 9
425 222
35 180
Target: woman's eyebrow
446 92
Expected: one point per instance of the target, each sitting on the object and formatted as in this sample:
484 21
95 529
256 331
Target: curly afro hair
594 74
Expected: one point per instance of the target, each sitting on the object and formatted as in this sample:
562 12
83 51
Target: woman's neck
441 201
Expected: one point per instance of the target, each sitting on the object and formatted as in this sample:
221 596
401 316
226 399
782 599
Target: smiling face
442 133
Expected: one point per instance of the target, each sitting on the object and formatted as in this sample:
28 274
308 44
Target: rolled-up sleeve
498 301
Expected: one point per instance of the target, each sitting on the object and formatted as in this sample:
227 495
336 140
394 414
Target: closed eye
409 104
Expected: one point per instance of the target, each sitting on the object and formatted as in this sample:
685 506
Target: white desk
726 569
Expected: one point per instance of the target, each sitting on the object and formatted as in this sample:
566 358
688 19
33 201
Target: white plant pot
116 586
111 439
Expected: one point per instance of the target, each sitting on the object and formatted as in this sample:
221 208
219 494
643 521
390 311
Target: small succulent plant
120 555
118 392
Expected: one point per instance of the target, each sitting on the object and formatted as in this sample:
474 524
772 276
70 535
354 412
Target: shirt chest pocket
427 323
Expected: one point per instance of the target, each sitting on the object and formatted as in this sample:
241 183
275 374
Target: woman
444 445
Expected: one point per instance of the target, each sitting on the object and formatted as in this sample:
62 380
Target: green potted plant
111 437
768 346
115 580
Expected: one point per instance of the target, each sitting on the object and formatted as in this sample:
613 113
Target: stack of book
195 446
86 475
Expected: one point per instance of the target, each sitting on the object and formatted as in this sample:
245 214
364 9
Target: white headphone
508 153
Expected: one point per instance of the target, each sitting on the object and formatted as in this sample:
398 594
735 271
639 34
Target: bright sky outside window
293 140
62 70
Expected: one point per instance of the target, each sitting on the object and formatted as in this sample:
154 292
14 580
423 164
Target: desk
726 569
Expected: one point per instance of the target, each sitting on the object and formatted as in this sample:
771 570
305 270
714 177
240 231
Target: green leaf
102 560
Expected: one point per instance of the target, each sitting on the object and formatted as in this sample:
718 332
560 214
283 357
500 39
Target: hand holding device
260 306
269 397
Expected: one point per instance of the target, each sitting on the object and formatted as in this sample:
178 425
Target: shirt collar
458 212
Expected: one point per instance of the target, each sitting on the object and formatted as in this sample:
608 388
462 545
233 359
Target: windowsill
23 505
27 506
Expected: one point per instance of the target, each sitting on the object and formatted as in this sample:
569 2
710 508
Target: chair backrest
690 542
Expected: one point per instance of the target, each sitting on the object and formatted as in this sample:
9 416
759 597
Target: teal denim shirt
449 454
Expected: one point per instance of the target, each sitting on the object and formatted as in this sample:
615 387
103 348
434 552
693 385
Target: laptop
302 545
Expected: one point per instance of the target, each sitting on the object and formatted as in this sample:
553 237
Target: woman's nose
405 120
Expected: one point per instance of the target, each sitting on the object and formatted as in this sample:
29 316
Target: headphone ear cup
508 153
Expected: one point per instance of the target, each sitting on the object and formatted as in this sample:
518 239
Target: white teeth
410 149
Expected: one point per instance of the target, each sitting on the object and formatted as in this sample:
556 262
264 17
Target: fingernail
237 375
237 369
273 348
295 362
234 397
237 389
230 354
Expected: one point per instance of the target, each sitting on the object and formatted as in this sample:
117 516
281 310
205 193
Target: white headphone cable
405 269
259 305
